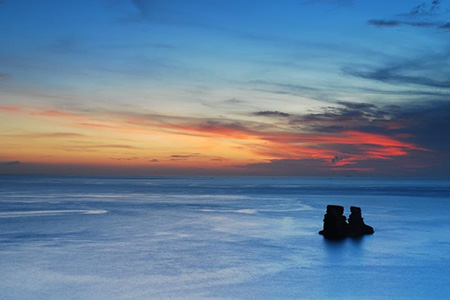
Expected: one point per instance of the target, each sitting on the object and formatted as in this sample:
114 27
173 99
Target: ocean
170 238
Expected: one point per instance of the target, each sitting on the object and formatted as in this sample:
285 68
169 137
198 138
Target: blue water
220 238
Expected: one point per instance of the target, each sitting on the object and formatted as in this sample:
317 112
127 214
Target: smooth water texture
220 238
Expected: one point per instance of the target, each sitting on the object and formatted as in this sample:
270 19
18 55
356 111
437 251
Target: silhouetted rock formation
334 223
336 227
356 222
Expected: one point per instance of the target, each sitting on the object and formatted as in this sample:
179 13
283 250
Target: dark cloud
429 124
181 156
336 3
424 124
429 14
420 24
390 75
431 71
343 115
153 160
10 163
336 159
445 26
426 8
333 114
217 159
126 158
384 23
272 113
177 157
118 146
357 105
396 23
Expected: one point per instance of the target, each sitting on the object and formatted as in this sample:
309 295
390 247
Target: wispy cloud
384 23
10 163
428 14
342 134
272 113
336 3
147 8
10 108
336 159
125 158
431 7
395 23
431 71
178 157
392 75
45 135
117 146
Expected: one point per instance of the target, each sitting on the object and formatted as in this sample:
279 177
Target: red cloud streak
265 139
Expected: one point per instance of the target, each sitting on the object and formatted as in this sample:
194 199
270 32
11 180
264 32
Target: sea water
220 238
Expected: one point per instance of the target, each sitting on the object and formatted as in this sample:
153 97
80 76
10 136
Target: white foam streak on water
12 214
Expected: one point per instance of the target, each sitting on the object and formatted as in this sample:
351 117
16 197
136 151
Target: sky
225 87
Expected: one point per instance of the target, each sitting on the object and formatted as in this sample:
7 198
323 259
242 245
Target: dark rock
334 223
356 223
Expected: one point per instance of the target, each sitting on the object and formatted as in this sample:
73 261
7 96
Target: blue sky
306 67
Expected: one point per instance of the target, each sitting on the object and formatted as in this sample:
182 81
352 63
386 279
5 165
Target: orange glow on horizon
134 140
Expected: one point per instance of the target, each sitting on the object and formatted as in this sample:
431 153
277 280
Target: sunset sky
225 87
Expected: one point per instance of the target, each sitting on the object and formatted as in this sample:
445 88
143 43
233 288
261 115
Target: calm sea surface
220 238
